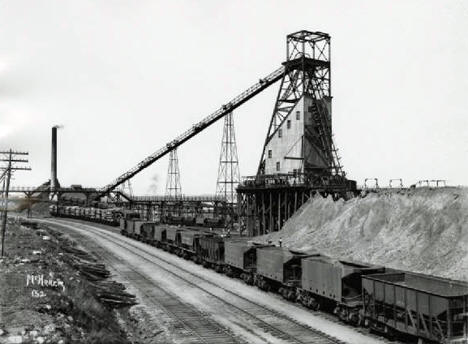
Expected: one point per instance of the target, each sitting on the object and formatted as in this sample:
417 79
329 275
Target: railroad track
197 328
330 317
278 325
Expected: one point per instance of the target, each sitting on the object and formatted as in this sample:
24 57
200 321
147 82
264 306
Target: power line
6 176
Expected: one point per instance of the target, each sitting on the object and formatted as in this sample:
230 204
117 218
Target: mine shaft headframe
306 72
313 45
310 53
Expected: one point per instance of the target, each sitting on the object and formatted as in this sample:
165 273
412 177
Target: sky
126 77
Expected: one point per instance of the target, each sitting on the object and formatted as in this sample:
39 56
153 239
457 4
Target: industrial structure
54 183
228 171
173 187
299 156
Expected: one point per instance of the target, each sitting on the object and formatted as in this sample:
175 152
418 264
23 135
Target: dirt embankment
422 230
53 292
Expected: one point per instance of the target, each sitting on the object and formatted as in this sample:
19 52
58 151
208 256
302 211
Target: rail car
201 220
113 216
346 288
394 303
109 216
424 306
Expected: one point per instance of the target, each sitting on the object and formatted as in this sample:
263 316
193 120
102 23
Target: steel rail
293 331
201 328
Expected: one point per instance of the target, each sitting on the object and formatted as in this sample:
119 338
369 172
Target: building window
280 133
298 115
269 153
277 165
288 124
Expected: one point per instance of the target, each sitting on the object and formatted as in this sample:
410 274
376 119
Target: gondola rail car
99 215
126 221
279 269
425 307
335 284
130 228
137 228
212 251
240 258
159 236
190 245
173 238
394 303
147 232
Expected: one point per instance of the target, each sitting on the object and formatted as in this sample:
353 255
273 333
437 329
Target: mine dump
296 249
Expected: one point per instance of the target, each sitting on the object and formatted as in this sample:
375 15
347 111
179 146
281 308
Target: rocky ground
53 292
423 230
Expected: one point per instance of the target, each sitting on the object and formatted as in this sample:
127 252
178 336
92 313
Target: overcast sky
126 77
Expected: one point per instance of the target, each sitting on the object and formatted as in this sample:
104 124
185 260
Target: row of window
280 134
288 123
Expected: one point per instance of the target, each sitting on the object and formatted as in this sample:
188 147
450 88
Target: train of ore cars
394 303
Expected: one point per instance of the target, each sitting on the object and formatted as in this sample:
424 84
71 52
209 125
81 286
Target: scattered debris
61 293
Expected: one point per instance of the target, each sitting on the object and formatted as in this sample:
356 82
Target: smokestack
53 172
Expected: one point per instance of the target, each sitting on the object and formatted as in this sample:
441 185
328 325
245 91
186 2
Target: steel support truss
307 73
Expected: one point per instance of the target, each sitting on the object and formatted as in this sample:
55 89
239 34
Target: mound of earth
422 230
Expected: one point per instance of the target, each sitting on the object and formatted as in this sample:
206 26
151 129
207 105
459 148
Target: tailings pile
422 230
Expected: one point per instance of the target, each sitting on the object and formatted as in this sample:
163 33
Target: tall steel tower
173 188
228 171
299 157
299 138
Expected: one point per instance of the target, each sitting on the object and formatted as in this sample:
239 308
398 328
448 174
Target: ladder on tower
326 137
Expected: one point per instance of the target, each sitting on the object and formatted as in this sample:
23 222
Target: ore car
159 236
336 284
190 244
147 232
123 226
240 258
130 228
426 307
137 229
173 238
212 251
279 269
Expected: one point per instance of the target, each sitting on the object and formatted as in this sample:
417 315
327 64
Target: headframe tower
299 157
299 138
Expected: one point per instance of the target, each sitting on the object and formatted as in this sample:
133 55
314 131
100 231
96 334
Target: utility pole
7 171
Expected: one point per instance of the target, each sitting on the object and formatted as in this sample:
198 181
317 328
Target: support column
295 200
271 226
279 210
263 213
